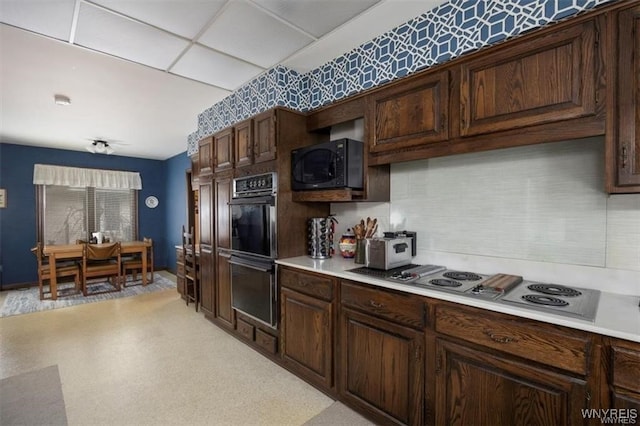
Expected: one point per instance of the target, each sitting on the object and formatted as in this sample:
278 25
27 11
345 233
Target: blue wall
176 205
18 220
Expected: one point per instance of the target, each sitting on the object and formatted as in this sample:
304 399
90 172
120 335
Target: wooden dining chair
191 272
101 261
134 264
64 270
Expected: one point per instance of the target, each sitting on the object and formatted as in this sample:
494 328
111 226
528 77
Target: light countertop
617 315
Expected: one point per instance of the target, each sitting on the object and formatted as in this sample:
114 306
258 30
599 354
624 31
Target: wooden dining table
57 252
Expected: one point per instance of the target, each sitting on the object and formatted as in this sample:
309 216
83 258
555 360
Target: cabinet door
475 387
307 336
264 136
223 150
223 218
547 79
625 377
205 210
409 114
224 311
243 143
207 274
626 147
205 156
381 368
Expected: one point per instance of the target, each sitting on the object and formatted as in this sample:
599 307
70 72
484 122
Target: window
73 203
67 214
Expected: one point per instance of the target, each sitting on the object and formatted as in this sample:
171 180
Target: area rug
33 398
25 301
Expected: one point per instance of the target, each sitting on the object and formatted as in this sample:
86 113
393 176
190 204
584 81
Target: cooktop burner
462 276
544 300
442 282
579 303
554 290
455 282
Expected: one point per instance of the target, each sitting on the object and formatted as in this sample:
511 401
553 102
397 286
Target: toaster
394 250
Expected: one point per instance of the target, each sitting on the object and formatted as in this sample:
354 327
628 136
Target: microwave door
316 168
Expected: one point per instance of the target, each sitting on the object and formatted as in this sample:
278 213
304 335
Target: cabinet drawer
405 309
306 283
626 367
245 329
515 336
266 341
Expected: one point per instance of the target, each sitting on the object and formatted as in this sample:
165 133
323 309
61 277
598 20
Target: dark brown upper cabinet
264 136
623 116
414 112
540 80
223 150
244 143
255 139
205 156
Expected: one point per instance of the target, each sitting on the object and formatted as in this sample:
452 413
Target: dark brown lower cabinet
206 277
224 311
307 337
381 368
625 377
474 387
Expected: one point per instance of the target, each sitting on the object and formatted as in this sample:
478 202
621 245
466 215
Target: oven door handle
249 264
270 200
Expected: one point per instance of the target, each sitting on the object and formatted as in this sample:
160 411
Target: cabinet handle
418 353
499 339
375 304
463 119
443 122
439 362
624 156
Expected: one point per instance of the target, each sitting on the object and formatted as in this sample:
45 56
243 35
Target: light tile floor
150 359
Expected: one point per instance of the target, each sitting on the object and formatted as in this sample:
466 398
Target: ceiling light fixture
100 147
61 100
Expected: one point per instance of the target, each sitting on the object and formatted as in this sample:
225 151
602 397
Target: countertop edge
614 316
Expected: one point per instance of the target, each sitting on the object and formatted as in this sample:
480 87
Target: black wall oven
253 288
253 247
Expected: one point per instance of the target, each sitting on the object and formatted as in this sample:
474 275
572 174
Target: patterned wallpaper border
439 35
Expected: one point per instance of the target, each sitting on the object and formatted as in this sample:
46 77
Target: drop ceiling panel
317 17
245 31
204 64
106 32
182 17
51 18
374 22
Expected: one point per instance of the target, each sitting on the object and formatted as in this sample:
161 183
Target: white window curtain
76 177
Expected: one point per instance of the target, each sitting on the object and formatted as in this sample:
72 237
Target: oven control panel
256 185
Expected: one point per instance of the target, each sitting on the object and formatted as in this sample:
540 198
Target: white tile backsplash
537 205
623 231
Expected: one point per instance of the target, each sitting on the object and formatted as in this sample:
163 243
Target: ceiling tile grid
448 31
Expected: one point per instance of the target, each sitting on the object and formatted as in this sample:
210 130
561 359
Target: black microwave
328 165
